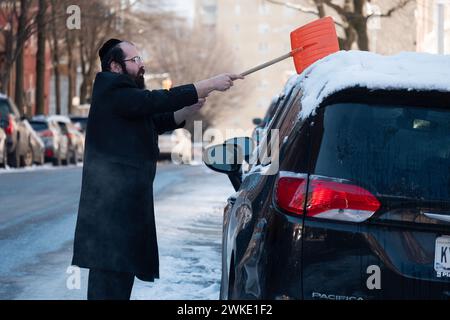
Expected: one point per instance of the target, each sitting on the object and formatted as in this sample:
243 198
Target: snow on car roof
348 69
59 118
292 81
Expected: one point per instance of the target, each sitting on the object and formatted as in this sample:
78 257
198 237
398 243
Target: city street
314 137
37 222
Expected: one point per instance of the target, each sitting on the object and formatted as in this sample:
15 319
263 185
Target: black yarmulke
108 45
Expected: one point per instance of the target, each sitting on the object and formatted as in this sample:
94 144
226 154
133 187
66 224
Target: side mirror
222 158
257 121
228 158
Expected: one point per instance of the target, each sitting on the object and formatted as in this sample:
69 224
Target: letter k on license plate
442 257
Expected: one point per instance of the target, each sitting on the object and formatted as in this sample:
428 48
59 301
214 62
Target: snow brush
309 43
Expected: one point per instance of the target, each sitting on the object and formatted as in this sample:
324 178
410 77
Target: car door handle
231 200
436 216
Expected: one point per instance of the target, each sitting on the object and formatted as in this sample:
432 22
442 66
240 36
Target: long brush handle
264 65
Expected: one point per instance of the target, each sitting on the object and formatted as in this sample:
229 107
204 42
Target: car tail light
10 128
46 133
291 191
49 153
327 198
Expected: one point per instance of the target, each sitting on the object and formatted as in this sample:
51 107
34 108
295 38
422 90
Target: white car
3 149
175 145
76 138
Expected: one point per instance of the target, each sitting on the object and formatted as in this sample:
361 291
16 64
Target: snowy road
37 220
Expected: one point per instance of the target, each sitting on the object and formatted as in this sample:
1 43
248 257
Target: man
115 236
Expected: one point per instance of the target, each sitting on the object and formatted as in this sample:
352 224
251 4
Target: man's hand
184 113
222 82
195 107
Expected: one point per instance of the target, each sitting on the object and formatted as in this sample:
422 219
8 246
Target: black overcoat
115 227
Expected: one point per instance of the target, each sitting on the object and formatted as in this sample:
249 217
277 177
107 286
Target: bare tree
21 30
71 69
101 20
190 55
352 13
18 27
20 23
40 57
62 48
54 40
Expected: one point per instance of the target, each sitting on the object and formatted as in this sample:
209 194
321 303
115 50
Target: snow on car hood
347 69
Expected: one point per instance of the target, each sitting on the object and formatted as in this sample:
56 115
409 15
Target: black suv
358 206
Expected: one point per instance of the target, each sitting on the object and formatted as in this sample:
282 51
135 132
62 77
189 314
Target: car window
279 110
13 109
81 121
63 127
55 126
4 110
39 125
271 111
397 151
291 118
284 121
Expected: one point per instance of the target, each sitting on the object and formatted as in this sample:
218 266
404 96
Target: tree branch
295 6
336 8
301 9
401 5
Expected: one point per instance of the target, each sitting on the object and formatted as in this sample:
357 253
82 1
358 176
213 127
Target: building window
263 28
262 103
263 47
263 84
237 9
263 9
289 12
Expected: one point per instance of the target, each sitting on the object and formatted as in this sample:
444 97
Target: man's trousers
109 285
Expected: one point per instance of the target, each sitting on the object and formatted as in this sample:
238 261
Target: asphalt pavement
38 208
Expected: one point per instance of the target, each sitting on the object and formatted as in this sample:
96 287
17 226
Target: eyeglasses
136 60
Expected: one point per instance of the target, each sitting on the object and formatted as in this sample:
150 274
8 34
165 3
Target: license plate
442 257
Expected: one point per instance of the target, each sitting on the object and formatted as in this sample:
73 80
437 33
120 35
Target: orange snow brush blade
312 42
309 43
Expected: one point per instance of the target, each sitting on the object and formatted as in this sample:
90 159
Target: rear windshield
39 126
390 150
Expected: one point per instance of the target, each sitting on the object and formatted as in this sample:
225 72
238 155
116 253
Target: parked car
18 136
55 141
3 149
358 205
175 144
80 122
76 138
36 144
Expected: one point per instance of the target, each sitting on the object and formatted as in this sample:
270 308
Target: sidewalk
189 217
